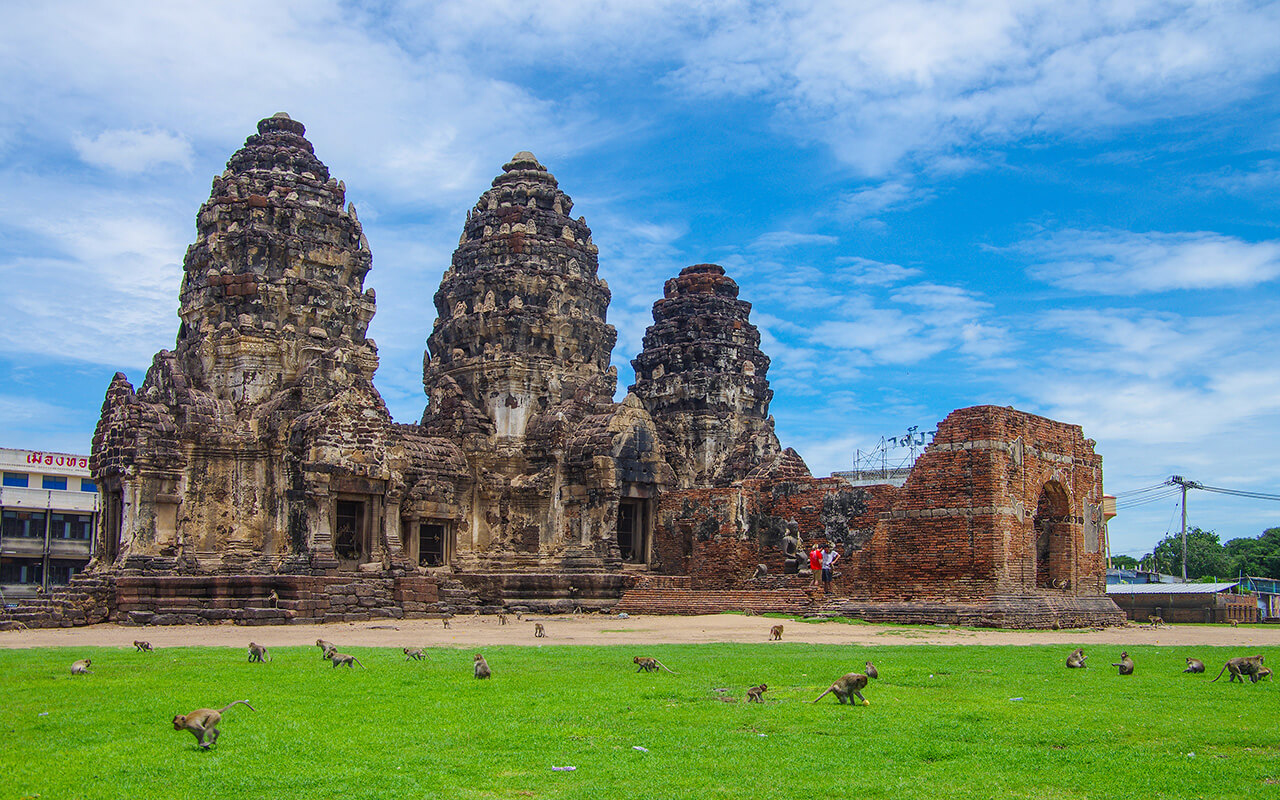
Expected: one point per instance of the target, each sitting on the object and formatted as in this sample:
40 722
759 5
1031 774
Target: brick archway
1051 537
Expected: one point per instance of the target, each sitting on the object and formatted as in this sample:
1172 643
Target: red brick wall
962 526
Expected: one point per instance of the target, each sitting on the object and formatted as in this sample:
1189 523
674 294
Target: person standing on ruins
815 563
829 558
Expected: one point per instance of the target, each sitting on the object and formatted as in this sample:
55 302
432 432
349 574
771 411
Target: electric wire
1143 490
1242 493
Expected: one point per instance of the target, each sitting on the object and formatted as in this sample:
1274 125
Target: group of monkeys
1238 667
203 722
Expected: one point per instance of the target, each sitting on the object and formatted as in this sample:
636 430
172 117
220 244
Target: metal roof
1169 588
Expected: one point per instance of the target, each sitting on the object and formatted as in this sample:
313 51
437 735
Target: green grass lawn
944 722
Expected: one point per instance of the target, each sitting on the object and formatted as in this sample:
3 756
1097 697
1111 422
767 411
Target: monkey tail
358 661
236 703
664 666
824 694
1224 669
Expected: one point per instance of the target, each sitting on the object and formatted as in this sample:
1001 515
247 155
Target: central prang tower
517 373
520 323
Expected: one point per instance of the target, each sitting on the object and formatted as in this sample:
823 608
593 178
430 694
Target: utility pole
1178 480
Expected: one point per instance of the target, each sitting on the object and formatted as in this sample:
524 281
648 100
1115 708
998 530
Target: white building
48 512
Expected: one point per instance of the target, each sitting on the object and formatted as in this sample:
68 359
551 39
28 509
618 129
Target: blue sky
1069 208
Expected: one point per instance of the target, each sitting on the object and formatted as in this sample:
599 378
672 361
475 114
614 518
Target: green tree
1205 555
1259 557
1124 562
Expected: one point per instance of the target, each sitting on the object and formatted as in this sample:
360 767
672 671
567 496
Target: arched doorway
1051 535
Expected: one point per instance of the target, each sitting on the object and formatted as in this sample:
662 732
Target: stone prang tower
520 323
259 443
703 377
518 373
276 274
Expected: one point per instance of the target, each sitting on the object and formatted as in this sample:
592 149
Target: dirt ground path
596 629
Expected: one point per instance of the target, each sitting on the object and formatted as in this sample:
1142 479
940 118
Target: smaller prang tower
703 378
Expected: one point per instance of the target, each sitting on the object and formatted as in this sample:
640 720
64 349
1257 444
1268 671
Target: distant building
1185 602
1267 590
48 512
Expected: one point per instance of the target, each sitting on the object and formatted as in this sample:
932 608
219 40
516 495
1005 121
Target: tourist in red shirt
815 564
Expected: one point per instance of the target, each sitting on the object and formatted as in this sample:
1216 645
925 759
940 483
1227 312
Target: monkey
257 652
203 722
1076 659
81 667
1156 621
849 684
650 664
775 633
538 630
446 619
749 612
143 647
1235 623
481 667
762 571
339 659
273 599
325 647
1194 665
502 618
1239 667
872 672
755 692
415 654
1125 665
1264 672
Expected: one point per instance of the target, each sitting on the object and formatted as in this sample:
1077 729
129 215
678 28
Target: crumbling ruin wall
719 536
1002 502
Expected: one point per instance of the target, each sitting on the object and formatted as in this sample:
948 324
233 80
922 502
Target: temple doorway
632 531
1051 529
434 545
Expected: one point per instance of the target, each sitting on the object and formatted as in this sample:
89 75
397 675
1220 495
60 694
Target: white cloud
1123 262
885 82
866 272
883 197
134 150
781 240
419 127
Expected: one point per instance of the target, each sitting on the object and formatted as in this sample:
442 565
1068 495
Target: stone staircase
84 601
541 592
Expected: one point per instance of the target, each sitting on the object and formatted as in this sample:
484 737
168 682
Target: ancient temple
256 475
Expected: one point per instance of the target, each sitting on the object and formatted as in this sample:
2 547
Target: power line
1240 493
1143 490
1142 501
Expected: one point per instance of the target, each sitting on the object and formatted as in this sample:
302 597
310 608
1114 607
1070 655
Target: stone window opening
1051 529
